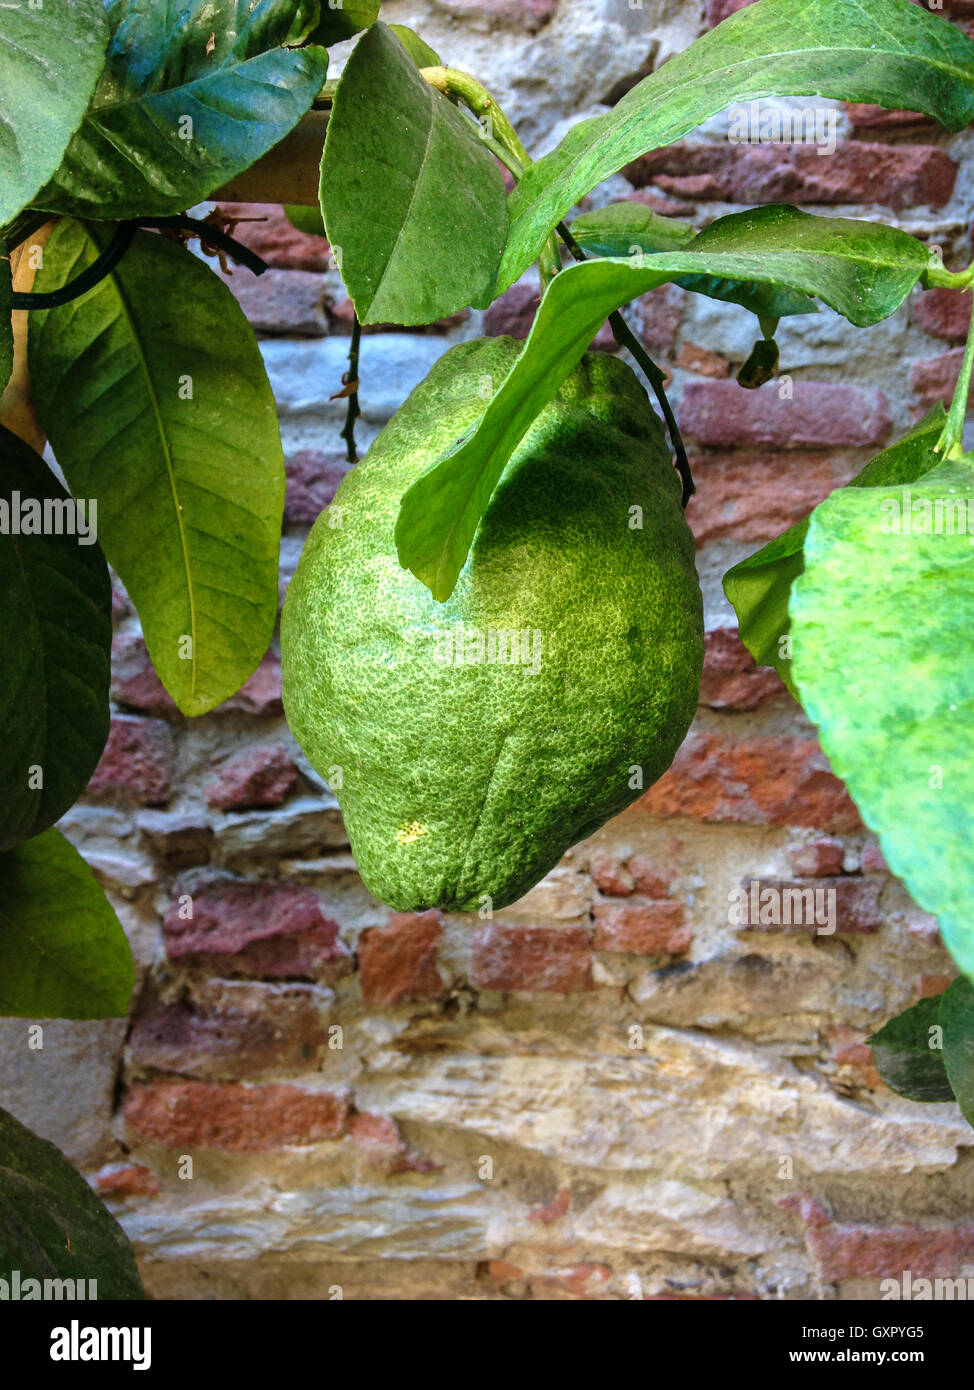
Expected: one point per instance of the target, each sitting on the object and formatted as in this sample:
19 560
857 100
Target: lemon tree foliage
519 516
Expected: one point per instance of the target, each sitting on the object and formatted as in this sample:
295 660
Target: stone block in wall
234 1117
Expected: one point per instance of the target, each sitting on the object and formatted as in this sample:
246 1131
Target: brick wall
609 1090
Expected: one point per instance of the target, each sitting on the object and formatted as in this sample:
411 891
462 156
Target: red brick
232 1117
656 318
231 1029
846 1251
850 1051
556 959
873 860
608 874
866 117
342 315
526 14
134 768
811 1210
312 481
582 1281
817 858
264 776
261 695
929 986
281 301
127 1180
944 313
555 1210
134 680
767 780
399 962
666 207
719 10
652 878
856 904
512 313
722 414
377 1137
275 240
255 928
934 379
702 361
754 497
731 680
641 926
895 176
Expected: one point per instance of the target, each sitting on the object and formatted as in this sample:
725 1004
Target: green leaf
343 21
418 49
152 390
861 269
63 953
889 52
307 220
881 621
957 1021
170 122
50 59
55 646
908 1056
6 327
409 191
626 229
760 586
52 1226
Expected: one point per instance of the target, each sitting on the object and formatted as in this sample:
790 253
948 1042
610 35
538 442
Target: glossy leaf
307 220
50 60
881 622
957 1021
889 52
153 392
184 107
55 646
409 192
760 586
908 1055
63 953
418 49
627 229
53 1227
862 270
343 21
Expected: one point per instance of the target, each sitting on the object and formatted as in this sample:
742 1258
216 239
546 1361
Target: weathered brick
127 1180
134 681
722 414
754 497
862 116
182 839
231 1116
641 926
761 780
666 207
814 904
817 858
556 959
608 875
656 318
228 1028
652 878
944 313
312 481
555 1209
873 860
261 694
731 679
850 1052
693 358
512 315
342 317
281 301
895 176
399 962
934 379
719 10
275 240
526 14
134 768
844 1250
929 986
263 776
254 928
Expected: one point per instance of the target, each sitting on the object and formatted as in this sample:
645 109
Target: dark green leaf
909 1056
957 1021
889 52
626 229
50 59
307 220
63 953
862 270
343 21
881 621
153 393
418 49
425 238
171 122
760 586
55 645
53 1227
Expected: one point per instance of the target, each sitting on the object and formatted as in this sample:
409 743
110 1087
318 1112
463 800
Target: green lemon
471 742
